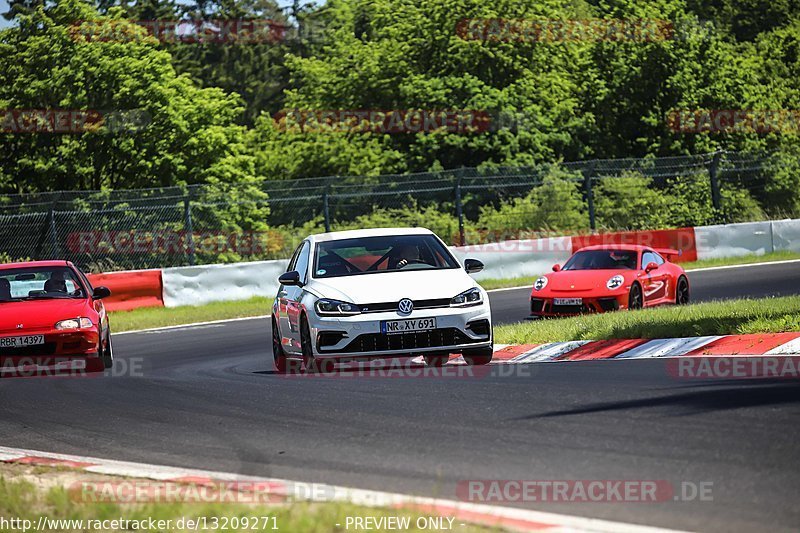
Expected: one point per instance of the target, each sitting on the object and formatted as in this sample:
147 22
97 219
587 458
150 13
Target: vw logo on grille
405 306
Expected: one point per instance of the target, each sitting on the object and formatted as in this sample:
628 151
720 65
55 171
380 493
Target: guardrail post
713 170
326 212
460 210
56 251
587 185
188 229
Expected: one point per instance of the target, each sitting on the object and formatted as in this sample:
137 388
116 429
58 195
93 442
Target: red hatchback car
610 277
52 321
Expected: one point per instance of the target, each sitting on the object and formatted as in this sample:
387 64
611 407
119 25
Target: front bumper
62 352
360 337
544 306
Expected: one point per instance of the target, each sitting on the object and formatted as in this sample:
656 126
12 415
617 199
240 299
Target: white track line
537 520
190 325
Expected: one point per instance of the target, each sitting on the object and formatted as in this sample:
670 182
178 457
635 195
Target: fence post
187 227
713 170
56 251
587 184
326 213
460 208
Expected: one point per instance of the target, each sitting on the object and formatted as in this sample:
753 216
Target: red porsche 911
52 321
610 277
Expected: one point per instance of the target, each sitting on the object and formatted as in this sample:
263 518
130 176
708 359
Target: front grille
378 342
570 309
392 306
47 348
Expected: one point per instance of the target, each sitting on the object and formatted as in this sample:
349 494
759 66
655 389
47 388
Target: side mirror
472 266
290 278
556 267
101 292
650 266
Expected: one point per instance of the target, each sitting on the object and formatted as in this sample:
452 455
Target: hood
393 286
40 313
584 280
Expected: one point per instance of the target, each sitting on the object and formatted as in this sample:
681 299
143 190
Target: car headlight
540 283
75 323
467 298
328 307
615 282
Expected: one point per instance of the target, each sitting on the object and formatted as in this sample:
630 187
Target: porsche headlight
540 283
75 323
328 307
615 282
467 298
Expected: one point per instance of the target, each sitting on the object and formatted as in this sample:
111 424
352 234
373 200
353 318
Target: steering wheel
405 262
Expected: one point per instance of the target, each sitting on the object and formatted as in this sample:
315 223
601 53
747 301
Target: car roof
45 264
372 232
628 247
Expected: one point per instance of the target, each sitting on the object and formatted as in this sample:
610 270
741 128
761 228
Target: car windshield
39 282
602 260
367 255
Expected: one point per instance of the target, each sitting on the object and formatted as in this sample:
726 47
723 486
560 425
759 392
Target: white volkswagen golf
375 293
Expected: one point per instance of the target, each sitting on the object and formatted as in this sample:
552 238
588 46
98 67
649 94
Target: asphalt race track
206 397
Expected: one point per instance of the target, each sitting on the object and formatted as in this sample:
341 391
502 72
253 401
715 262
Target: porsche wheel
682 292
635 298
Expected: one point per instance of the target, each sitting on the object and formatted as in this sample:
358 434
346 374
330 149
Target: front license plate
568 301
408 325
21 342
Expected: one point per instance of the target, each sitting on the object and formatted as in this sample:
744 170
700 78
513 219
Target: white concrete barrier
518 258
203 284
747 238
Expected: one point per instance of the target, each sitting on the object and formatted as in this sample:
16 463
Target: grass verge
493 283
765 315
23 500
154 317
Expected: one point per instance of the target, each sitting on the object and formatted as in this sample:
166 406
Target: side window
293 261
651 257
302 261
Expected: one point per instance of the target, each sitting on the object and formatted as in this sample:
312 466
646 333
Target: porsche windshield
39 282
602 260
368 255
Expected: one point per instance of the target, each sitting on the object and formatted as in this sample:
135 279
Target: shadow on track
695 402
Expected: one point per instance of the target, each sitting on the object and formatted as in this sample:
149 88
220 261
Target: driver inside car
56 283
407 253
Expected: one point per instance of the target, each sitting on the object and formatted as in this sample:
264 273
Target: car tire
436 360
682 291
311 363
281 362
478 357
108 352
635 297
